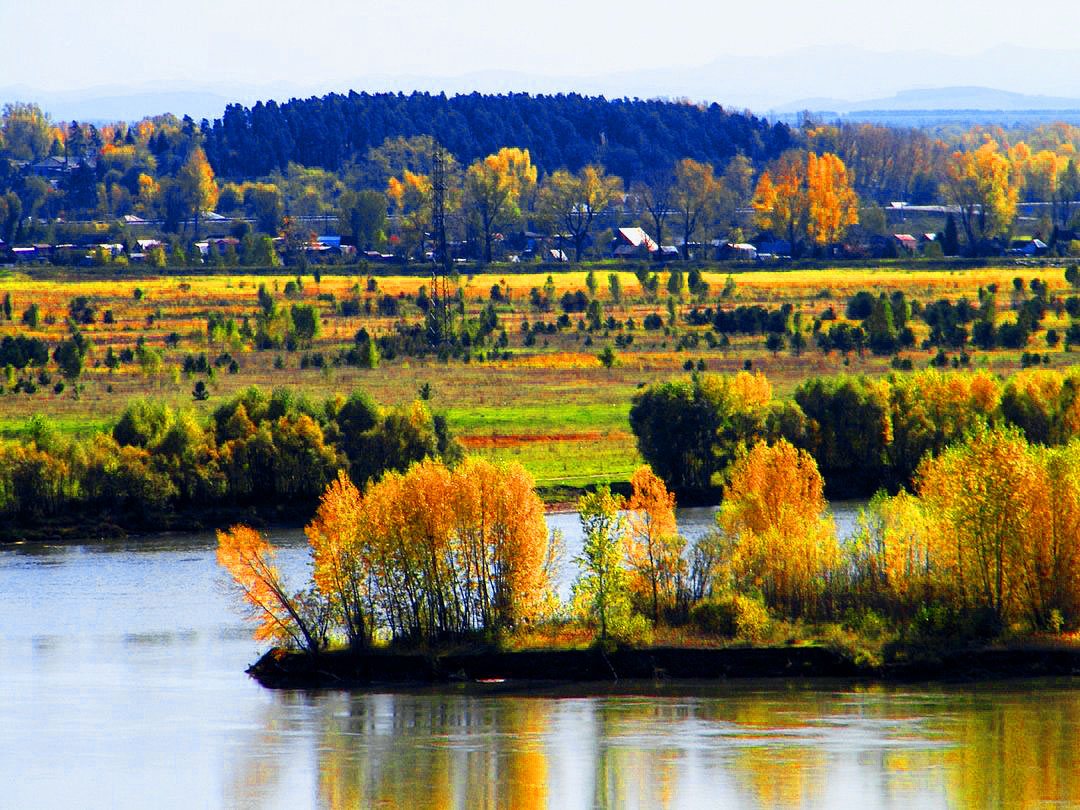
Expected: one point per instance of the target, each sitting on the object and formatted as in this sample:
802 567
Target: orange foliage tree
426 553
653 545
830 202
809 197
249 559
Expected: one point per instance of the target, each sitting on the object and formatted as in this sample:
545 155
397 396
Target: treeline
628 138
258 454
864 434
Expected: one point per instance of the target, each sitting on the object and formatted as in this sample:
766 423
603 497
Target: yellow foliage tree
983 182
197 184
1052 571
573 201
981 497
696 193
890 557
496 188
432 551
774 510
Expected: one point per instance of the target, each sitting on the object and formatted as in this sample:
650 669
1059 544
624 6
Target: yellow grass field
551 405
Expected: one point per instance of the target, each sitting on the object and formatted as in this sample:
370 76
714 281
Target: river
122 685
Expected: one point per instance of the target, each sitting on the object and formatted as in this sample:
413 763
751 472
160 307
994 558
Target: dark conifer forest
627 137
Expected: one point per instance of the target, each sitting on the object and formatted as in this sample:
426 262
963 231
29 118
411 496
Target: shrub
733 615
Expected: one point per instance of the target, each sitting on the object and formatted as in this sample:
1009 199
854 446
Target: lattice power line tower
439 321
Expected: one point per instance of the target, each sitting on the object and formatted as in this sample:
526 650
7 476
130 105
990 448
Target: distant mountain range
939 98
840 79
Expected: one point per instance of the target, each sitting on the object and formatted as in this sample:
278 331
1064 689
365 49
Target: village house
633 243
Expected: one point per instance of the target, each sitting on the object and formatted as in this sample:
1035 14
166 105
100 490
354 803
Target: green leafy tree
615 288
305 320
572 202
602 588
362 217
607 357
69 355
691 430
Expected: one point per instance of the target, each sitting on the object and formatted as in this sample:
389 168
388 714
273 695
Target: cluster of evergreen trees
629 138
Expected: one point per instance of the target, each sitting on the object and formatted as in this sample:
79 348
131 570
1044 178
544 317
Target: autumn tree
653 545
1042 174
496 188
282 617
809 196
984 185
26 132
574 201
831 204
695 195
774 508
433 552
779 202
196 181
981 498
891 556
1052 571
410 199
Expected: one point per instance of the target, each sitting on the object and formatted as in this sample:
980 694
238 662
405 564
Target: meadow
544 398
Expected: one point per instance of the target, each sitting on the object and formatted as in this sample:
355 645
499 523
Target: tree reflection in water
741 746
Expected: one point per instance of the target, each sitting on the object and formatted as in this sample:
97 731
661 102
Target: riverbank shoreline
77 528
345 669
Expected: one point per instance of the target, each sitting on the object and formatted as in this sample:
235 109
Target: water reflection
711 746
123 686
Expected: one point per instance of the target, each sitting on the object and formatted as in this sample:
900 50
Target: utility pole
439 323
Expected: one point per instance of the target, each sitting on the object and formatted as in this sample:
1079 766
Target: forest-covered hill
627 137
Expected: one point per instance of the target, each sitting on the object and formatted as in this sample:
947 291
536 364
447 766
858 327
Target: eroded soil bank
347 669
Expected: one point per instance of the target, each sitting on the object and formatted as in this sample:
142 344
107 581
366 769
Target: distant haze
833 78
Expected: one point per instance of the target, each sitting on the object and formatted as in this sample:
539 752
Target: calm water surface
122 685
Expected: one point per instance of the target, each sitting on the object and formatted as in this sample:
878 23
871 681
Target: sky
73 44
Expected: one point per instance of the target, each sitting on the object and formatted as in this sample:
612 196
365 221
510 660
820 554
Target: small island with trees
445 573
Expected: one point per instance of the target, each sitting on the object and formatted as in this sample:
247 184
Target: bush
732 615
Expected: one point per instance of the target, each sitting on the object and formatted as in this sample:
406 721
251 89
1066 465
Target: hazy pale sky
72 44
